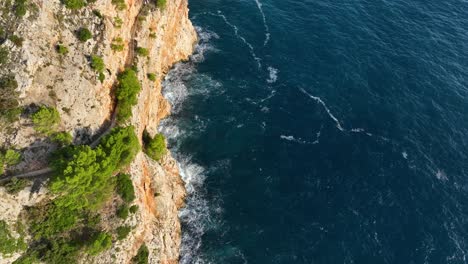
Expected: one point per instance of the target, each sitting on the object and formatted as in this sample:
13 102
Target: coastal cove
323 132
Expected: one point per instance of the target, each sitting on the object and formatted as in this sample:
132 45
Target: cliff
46 75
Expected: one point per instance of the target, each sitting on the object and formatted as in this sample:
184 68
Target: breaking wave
199 214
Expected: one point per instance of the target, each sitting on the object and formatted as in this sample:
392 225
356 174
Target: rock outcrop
86 105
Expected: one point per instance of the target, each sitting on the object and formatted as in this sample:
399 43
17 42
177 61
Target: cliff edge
56 56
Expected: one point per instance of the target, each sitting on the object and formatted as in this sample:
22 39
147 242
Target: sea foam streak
267 30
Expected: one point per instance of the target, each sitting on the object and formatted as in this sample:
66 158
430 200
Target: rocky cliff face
86 105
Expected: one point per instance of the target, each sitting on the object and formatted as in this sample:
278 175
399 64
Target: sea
323 131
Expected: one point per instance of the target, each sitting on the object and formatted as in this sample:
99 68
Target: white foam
236 33
293 139
267 30
319 100
273 75
404 154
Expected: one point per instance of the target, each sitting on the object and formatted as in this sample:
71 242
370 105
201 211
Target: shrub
151 76
101 77
118 22
127 91
101 242
97 63
11 115
74 4
122 211
3 55
8 244
125 187
18 41
61 49
83 34
123 231
142 255
155 147
152 35
142 51
20 8
15 185
83 176
119 4
12 157
133 209
117 44
161 4
9 97
62 138
46 120
97 13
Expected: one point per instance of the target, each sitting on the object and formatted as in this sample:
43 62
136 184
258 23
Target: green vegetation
127 91
9 110
123 231
15 185
142 255
9 157
133 209
83 34
12 157
152 35
97 63
8 244
125 188
142 51
82 181
46 120
18 41
85 175
118 22
20 8
97 13
161 4
122 211
4 55
100 243
151 76
74 4
101 77
62 138
61 49
155 147
117 44
119 4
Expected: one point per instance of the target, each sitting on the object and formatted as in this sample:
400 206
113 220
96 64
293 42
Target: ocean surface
323 131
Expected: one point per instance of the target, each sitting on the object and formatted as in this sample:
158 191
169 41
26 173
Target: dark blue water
324 131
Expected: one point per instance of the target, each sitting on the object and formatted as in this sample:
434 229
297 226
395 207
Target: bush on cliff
74 4
141 256
46 120
83 34
125 188
161 3
155 147
97 63
127 91
101 242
